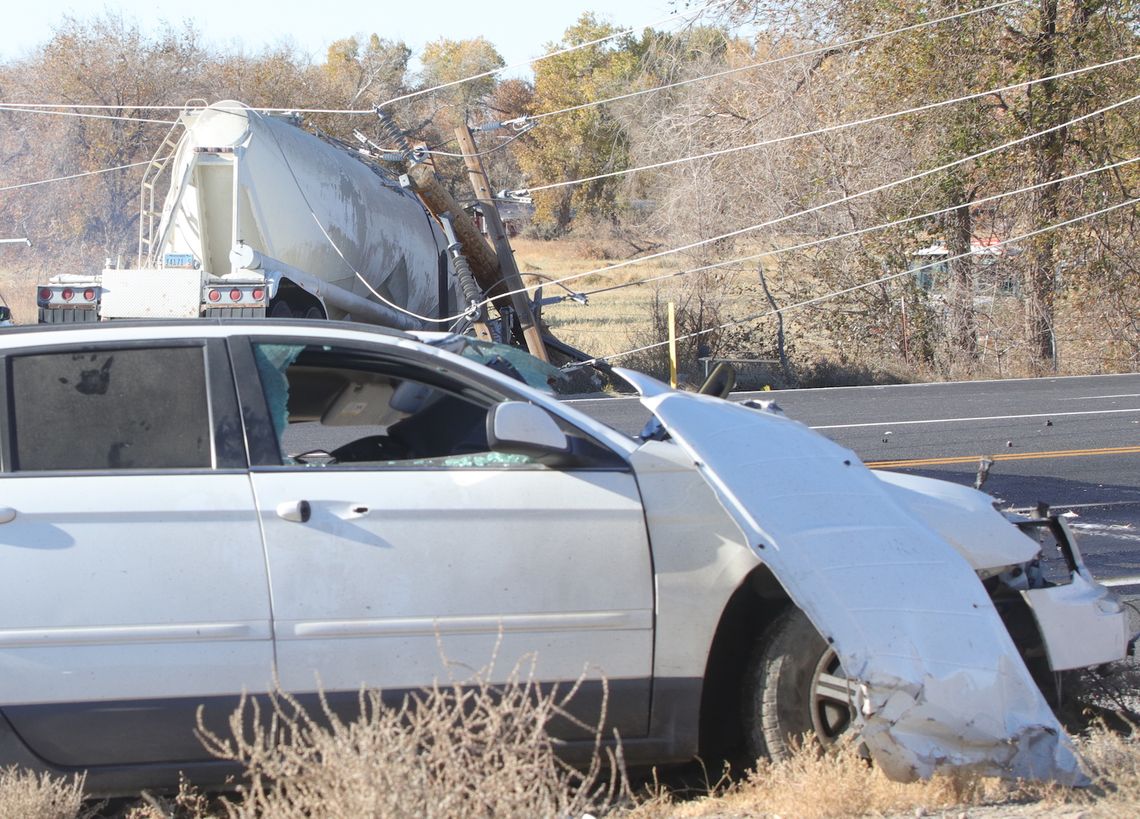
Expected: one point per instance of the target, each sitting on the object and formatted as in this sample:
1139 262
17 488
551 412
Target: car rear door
132 576
415 555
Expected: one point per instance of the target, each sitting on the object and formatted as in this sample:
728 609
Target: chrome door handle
295 511
7 514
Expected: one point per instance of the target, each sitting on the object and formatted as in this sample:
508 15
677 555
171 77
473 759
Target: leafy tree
447 61
999 47
355 76
1050 37
584 142
105 61
371 73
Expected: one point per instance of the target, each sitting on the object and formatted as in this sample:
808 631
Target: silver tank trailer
239 176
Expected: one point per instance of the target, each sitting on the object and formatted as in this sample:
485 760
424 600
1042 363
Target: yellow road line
1005 456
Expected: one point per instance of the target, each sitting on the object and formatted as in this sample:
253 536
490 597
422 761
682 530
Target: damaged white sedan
195 510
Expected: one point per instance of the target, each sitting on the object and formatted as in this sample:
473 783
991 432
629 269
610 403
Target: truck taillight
67 294
258 294
214 295
45 294
235 295
89 294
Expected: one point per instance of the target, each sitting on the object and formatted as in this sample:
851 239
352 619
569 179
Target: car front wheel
794 687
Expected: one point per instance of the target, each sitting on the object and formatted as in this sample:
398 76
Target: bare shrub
461 750
825 372
188 803
30 795
1113 762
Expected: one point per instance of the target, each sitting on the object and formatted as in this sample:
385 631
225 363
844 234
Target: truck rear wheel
285 309
794 687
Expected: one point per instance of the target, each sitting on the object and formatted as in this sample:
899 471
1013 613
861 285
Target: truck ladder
148 212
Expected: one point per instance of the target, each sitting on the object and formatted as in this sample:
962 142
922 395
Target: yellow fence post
672 346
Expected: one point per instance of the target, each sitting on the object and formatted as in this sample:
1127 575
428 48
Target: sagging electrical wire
94 106
72 176
841 44
846 198
533 117
49 111
862 286
577 295
677 17
730 234
420 153
401 154
826 129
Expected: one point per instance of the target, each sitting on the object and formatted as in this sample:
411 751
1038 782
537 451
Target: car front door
132 575
401 551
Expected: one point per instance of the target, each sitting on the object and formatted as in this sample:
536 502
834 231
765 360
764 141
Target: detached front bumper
1081 622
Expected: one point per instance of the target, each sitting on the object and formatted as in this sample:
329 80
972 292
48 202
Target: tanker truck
262 218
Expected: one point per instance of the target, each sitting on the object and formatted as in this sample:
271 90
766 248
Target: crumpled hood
939 681
987 542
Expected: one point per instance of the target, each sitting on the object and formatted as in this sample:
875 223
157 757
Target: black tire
285 309
794 686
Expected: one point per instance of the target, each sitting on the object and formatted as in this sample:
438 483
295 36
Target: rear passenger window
135 408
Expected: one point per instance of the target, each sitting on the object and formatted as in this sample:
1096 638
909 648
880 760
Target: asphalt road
1071 442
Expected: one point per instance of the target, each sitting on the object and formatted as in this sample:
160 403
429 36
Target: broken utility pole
510 271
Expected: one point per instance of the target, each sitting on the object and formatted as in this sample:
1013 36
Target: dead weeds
840 783
471 750
472 753
30 795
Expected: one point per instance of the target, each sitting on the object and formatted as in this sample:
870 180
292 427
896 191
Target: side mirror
524 429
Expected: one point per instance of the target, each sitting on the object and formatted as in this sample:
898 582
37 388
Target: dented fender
939 681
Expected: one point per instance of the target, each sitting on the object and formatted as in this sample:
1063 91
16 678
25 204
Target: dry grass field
612 320
626 306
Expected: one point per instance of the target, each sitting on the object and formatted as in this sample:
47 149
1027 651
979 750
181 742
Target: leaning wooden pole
506 256
484 262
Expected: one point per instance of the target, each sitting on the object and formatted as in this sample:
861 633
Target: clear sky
518 28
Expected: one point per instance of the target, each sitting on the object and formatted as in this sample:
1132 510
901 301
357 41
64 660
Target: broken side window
337 407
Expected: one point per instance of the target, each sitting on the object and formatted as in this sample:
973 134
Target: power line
22 108
18 106
851 234
841 44
827 129
499 147
72 176
33 107
676 17
864 285
751 228
620 33
82 106
846 198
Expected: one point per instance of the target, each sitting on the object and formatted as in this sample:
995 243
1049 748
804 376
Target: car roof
96 332
43 335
